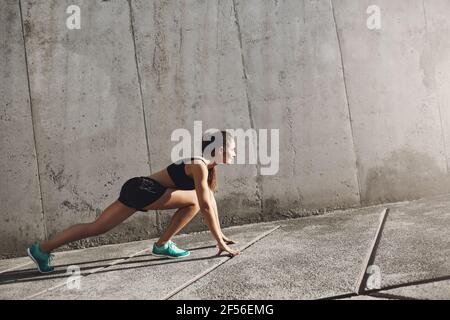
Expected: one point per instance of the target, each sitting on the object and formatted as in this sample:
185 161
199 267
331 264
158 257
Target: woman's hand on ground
223 247
228 240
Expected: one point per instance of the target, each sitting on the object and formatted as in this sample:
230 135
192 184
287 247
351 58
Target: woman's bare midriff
163 177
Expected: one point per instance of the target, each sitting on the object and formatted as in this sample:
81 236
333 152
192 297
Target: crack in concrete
32 122
132 23
259 187
444 142
348 103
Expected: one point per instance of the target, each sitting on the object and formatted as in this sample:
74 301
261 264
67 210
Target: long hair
207 139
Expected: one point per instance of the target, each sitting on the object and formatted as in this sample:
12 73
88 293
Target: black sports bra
179 177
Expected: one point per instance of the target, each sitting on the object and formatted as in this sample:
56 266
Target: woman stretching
188 186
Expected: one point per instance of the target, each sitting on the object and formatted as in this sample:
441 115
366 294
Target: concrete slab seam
204 273
391 296
339 296
370 256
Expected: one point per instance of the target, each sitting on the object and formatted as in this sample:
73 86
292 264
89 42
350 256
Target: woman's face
230 154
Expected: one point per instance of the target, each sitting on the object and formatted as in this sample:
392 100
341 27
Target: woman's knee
195 207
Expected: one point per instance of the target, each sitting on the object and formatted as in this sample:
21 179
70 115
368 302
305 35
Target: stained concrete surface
13 282
415 244
305 258
149 277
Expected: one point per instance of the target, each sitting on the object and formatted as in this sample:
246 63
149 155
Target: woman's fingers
227 249
228 240
233 252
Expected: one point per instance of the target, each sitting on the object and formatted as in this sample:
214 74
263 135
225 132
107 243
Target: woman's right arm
200 175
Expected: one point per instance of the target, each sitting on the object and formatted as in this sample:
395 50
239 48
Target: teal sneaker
170 250
42 259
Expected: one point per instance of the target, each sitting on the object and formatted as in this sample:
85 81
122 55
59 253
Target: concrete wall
390 75
363 114
20 195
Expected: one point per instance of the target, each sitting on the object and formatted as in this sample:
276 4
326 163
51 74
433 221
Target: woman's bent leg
179 219
112 216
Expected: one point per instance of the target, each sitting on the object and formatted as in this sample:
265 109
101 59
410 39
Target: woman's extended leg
112 216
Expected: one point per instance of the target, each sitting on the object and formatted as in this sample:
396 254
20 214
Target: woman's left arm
214 205
216 213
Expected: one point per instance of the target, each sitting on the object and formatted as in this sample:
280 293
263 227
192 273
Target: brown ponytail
212 179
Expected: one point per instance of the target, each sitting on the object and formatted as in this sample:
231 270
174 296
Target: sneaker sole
34 260
163 255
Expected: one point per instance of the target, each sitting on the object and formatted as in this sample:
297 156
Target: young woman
187 186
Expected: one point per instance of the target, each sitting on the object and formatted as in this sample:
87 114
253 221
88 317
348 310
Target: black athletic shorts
139 192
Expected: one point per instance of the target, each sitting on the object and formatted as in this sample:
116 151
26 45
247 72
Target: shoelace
50 259
172 245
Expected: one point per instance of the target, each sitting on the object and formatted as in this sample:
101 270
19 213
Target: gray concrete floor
307 258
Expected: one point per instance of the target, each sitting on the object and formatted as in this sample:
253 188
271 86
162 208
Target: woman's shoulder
196 159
